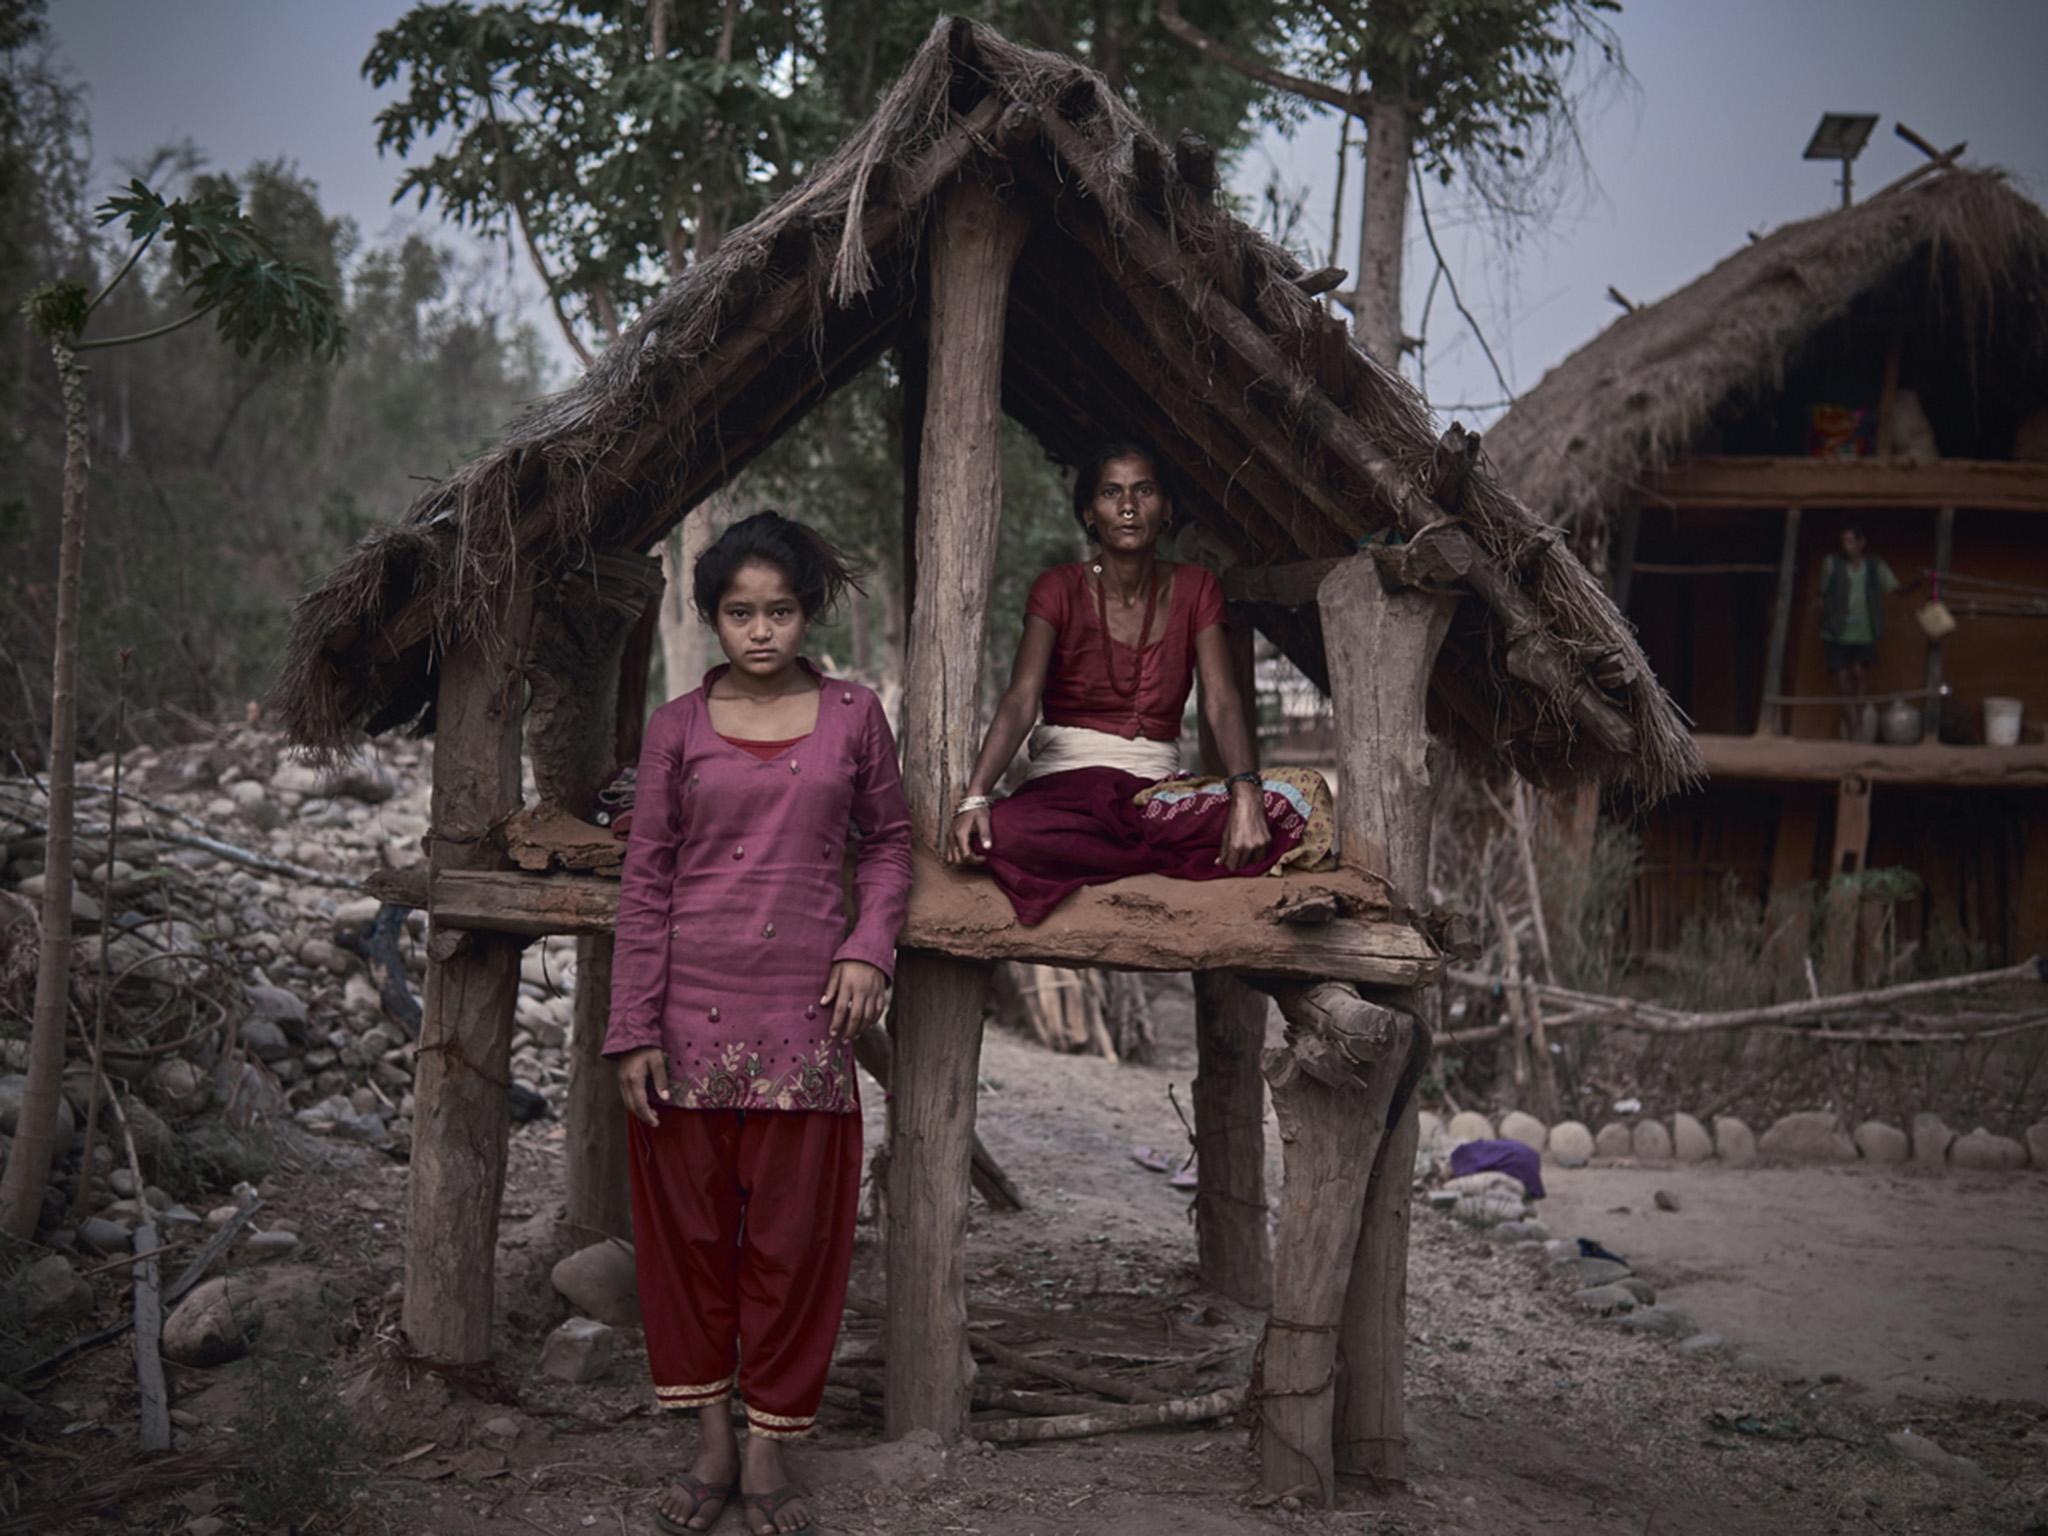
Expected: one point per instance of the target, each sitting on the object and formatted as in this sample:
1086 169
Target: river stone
1690 1142
1931 1140
279 1006
51 1291
1601 1271
12 1088
1614 1140
1652 1141
1527 1129
599 1281
1881 1143
265 1040
178 1087
1808 1136
281 1310
1665 1322
1923 1452
1987 1153
1606 1300
1470 1125
1703 1344
1571 1144
2037 1144
1644 1293
579 1350
103 1236
1734 1141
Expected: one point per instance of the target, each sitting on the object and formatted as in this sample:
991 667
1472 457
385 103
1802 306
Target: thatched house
1011 227
1886 365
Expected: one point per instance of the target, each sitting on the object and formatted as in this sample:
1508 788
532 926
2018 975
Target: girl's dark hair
814 567
1088 475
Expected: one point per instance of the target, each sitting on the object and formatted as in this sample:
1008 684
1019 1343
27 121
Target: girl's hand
856 994
1245 836
972 835
643 1078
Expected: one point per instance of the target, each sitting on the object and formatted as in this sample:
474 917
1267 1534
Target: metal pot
1902 723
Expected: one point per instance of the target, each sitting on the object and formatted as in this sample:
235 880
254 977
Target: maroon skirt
1082 827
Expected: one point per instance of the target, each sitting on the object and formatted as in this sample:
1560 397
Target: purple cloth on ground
1510 1157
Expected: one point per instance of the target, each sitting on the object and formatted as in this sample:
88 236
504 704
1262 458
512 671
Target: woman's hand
1246 835
971 837
856 994
643 1078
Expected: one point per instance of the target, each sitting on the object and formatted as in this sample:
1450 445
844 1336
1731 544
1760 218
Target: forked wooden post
461 1114
937 1019
1382 648
1233 1243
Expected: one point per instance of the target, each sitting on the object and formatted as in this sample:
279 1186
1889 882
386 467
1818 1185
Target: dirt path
1906 1283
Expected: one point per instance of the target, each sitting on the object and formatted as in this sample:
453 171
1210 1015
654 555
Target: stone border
1806 1136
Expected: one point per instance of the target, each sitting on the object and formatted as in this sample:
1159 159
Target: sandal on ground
701 1494
1146 1158
763 1508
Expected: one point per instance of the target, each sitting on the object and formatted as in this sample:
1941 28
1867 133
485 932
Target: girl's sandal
762 1508
701 1494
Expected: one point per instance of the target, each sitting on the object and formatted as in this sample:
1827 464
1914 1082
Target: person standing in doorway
1853 586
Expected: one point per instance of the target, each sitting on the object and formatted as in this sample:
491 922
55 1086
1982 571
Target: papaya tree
216 264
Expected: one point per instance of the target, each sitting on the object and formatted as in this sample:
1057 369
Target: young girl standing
737 991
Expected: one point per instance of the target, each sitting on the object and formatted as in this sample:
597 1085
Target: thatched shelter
1678 447
1011 227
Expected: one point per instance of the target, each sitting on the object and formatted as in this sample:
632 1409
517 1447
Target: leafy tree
259 303
1485 91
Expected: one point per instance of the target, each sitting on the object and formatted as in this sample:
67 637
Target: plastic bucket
2002 722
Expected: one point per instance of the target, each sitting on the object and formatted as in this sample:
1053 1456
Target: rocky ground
294 1406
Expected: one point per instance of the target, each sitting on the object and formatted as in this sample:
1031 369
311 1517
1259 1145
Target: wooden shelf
1333 926
1788 759
1995 485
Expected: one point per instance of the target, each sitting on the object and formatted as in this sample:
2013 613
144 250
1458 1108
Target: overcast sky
1704 148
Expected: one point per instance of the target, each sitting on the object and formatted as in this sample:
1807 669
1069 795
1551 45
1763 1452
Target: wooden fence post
937 1016
461 1111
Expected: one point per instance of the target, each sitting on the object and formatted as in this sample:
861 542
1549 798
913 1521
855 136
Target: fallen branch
149 1339
376 944
246 857
1109 1421
1073 1376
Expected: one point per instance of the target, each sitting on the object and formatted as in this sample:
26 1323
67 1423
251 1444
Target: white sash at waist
1058 748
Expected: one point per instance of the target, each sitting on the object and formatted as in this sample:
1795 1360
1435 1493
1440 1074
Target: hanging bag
1936 622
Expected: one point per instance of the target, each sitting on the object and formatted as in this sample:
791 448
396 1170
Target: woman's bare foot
717 1466
764 1475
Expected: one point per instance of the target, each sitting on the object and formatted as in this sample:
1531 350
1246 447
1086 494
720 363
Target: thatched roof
1138 307
1643 391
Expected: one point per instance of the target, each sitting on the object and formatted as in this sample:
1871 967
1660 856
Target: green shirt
1857 628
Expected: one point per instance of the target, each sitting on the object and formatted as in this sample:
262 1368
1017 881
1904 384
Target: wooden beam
1944 556
1989 485
1533 656
1770 717
1791 760
1148 922
461 1118
937 1021
1293 586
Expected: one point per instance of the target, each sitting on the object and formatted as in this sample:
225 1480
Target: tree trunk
600 1190
685 642
938 1001
1232 1240
1382 648
1383 226
461 1117
35 1134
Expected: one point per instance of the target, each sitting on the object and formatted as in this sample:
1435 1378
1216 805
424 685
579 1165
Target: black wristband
1249 776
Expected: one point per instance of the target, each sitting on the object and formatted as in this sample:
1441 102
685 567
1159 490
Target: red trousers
743 1236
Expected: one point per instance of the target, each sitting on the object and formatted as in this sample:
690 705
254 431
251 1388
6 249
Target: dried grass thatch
1643 391
805 295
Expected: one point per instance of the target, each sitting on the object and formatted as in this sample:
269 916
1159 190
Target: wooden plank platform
1790 760
1992 485
1333 926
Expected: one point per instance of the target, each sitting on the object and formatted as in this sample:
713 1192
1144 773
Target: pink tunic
731 909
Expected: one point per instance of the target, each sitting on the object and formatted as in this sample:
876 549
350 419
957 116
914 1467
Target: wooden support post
1382 648
1944 553
937 1025
1232 1241
600 1196
461 1117
1770 718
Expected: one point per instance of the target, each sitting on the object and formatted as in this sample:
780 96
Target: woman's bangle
1249 776
971 803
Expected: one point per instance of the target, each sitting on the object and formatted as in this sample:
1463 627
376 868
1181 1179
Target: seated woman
1111 647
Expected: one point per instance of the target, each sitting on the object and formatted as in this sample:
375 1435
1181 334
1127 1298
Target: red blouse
1078 690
